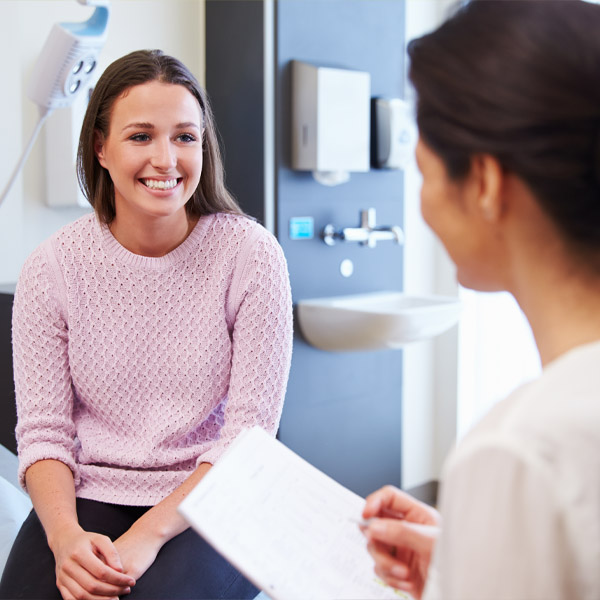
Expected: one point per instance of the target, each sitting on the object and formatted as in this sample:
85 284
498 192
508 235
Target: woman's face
452 210
153 151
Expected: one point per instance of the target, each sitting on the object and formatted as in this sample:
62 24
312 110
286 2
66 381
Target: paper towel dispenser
330 121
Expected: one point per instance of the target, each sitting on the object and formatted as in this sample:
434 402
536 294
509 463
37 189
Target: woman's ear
99 148
489 177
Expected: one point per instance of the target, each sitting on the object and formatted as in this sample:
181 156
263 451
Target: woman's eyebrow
185 125
138 126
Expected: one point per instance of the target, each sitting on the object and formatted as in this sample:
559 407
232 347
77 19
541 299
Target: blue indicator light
302 228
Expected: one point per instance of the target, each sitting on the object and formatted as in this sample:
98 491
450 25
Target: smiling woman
145 340
153 154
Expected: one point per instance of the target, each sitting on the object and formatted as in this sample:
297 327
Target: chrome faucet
367 234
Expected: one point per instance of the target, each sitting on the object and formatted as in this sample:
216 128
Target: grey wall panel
234 82
343 410
8 409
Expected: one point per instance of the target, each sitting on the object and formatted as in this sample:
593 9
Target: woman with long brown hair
146 338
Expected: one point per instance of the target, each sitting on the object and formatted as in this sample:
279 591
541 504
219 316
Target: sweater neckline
114 248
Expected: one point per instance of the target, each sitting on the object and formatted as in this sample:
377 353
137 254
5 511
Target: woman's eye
186 138
140 137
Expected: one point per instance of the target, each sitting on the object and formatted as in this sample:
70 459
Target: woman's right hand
401 535
88 566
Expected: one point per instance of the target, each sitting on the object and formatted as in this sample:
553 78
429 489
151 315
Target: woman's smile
161 184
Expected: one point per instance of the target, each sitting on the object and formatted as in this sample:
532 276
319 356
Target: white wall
497 354
175 26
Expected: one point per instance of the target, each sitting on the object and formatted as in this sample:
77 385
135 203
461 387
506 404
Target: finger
65 592
403 534
90 569
107 564
71 590
392 572
106 550
391 502
78 578
388 498
400 584
386 560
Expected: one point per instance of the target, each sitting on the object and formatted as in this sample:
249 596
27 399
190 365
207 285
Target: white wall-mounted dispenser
63 70
396 133
68 58
62 139
331 121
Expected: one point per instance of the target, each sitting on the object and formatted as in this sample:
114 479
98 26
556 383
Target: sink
374 321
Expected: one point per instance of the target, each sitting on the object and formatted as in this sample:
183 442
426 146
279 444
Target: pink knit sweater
133 370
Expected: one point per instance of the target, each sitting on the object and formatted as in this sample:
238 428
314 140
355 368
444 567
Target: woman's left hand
401 535
137 550
140 544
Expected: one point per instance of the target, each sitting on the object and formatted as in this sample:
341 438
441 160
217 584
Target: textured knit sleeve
261 306
45 427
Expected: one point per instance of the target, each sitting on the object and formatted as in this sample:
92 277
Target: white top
521 494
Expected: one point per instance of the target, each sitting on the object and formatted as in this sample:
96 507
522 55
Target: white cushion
14 508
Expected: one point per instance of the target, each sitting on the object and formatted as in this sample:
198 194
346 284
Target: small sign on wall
302 228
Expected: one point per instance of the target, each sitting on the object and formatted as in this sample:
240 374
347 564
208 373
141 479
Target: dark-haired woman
146 337
509 117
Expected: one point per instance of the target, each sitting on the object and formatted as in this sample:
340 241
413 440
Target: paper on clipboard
284 524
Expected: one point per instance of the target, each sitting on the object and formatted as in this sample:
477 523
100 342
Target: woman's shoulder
72 233
235 223
43 270
239 230
553 422
79 229
564 399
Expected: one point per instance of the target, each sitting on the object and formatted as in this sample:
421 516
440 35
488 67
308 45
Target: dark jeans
186 567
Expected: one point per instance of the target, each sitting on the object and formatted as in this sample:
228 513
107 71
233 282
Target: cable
44 112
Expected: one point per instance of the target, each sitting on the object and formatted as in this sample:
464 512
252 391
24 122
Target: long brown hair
211 195
520 80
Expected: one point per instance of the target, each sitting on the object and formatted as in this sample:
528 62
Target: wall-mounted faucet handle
330 235
368 218
368 234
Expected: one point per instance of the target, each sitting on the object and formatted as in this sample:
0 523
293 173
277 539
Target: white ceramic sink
375 320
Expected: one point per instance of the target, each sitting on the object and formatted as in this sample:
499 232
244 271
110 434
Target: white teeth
159 184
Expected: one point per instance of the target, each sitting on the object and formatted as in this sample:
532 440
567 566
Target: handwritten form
287 526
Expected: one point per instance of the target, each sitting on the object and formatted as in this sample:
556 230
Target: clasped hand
90 566
401 536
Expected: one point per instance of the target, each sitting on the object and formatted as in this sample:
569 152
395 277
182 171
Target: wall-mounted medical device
330 121
64 68
68 58
62 139
395 133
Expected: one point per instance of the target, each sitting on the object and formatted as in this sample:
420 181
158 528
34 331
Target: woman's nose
164 156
